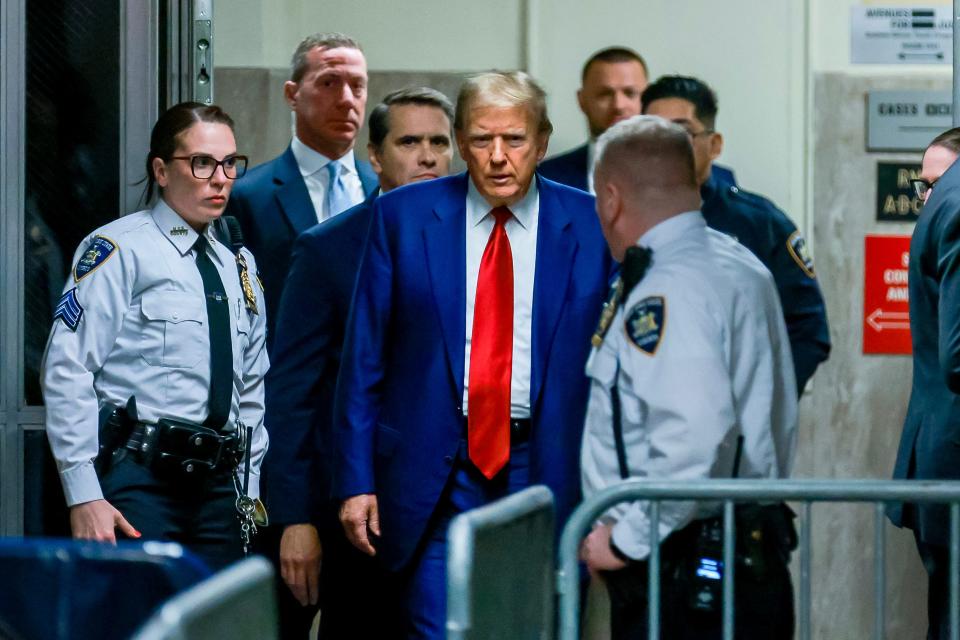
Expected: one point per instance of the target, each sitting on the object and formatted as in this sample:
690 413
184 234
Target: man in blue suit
462 377
318 176
612 82
410 141
929 445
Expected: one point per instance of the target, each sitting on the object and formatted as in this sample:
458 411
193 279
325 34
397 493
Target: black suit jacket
300 386
930 444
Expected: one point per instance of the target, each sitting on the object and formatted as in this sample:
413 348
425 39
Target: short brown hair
379 121
949 140
614 54
507 89
298 64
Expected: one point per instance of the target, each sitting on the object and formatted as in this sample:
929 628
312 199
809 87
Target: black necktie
221 350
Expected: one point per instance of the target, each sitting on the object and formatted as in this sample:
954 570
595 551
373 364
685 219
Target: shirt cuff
80 484
628 542
253 489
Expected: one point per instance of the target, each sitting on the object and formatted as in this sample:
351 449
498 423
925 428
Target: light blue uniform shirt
134 323
704 357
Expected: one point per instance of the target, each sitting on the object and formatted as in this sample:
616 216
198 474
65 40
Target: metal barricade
238 602
730 492
500 569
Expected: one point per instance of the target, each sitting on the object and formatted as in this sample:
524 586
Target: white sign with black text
901 35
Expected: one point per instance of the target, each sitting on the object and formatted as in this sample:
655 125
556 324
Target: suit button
448 459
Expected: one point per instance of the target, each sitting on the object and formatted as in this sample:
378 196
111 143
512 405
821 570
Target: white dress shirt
703 358
522 232
141 330
313 169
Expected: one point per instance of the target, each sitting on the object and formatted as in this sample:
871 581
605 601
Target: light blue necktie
338 199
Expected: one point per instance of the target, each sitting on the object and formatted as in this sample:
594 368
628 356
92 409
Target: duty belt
183 447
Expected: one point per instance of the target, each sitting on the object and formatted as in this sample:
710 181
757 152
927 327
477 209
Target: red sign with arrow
886 302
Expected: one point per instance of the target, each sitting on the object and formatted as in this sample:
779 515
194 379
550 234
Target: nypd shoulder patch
100 249
797 246
644 323
69 310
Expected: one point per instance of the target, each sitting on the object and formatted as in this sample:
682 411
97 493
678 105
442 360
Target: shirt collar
523 211
671 229
180 234
310 161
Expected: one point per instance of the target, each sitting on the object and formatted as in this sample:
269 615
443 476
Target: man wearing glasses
752 219
928 445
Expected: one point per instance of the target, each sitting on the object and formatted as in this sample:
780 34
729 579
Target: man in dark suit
318 176
462 377
752 219
410 141
928 446
612 81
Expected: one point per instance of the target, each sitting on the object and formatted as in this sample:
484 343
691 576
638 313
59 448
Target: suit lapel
292 194
556 249
368 178
445 246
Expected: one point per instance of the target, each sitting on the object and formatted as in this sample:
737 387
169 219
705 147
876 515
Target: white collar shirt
591 163
313 168
522 232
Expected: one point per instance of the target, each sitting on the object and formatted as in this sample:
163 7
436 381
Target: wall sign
896 200
886 299
906 120
901 35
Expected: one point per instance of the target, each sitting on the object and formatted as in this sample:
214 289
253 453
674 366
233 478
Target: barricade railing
238 602
731 492
500 569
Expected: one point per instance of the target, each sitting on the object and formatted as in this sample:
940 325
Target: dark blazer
398 417
306 357
274 207
771 236
930 444
570 168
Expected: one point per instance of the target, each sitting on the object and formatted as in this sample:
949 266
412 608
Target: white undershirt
522 232
313 168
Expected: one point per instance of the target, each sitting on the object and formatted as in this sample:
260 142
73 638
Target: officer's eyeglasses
696 134
922 187
203 167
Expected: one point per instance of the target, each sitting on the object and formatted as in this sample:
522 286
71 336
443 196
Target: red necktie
491 354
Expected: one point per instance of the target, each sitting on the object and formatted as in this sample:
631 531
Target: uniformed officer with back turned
752 219
691 378
154 369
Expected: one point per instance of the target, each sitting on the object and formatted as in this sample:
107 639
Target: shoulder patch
99 251
797 246
644 323
69 310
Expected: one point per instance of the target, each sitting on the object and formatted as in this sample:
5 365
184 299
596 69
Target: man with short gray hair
317 177
708 394
462 373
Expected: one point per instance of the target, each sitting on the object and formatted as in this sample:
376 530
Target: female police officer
153 374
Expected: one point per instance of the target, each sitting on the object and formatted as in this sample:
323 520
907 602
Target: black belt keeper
184 450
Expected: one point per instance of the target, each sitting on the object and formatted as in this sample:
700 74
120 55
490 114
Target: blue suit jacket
306 357
398 417
930 444
570 168
274 207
